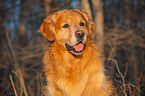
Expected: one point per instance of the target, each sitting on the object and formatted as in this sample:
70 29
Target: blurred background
119 34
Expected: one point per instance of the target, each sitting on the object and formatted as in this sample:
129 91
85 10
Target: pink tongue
79 47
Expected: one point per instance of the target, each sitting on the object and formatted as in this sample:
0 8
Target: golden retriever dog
72 63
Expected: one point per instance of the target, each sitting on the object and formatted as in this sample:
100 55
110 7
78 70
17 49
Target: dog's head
70 27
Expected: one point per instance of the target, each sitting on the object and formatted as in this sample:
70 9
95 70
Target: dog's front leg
53 90
92 91
95 87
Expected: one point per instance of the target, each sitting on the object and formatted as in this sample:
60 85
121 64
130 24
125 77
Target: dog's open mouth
78 48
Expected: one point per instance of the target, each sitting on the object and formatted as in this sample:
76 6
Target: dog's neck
64 57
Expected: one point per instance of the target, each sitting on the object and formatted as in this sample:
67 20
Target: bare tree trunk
133 66
2 35
114 15
23 39
47 7
4 67
127 14
115 26
99 21
86 7
22 22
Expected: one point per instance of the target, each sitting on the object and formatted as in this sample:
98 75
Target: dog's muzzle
78 48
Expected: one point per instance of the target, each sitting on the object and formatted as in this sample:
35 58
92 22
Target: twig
135 87
22 82
122 77
125 73
5 90
16 64
13 85
12 49
129 89
21 87
140 76
30 56
112 54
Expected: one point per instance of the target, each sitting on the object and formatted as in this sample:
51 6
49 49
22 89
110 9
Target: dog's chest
73 85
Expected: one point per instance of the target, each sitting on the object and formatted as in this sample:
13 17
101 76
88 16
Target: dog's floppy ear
47 28
90 23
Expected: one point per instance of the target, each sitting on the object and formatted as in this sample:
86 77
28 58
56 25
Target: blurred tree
3 67
98 19
115 28
47 7
23 38
132 59
2 17
127 18
86 6
114 14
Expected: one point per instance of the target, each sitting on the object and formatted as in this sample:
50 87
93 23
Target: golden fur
71 74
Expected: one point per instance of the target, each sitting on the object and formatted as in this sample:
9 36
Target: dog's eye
82 24
65 26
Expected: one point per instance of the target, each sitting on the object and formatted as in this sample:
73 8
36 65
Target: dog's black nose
80 34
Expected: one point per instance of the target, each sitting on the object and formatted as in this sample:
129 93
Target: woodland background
119 34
